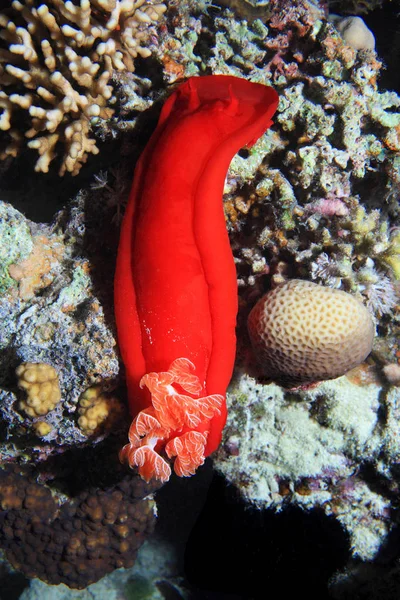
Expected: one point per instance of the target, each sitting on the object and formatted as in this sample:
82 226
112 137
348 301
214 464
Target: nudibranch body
175 282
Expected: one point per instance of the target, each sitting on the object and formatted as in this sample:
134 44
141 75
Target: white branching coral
57 60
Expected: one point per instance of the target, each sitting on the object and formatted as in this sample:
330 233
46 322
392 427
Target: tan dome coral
302 332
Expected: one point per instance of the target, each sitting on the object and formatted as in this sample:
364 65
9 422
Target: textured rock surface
64 323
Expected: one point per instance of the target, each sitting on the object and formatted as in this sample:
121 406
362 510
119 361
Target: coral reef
40 382
76 542
304 333
57 67
316 198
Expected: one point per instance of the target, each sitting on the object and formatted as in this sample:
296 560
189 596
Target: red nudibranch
175 282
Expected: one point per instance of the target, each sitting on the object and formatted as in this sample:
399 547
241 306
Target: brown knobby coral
303 333
40 382
76 543
57 60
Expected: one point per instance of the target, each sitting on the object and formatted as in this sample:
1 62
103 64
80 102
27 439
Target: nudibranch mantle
175 281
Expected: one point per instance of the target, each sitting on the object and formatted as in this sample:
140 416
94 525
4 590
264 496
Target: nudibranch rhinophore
175 281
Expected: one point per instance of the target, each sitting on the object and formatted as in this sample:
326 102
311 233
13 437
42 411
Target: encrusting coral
302 332
56 69
40 382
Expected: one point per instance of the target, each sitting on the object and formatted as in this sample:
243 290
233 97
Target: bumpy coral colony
177 333
78 542
40 382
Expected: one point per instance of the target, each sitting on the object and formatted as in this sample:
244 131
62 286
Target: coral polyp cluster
97 410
